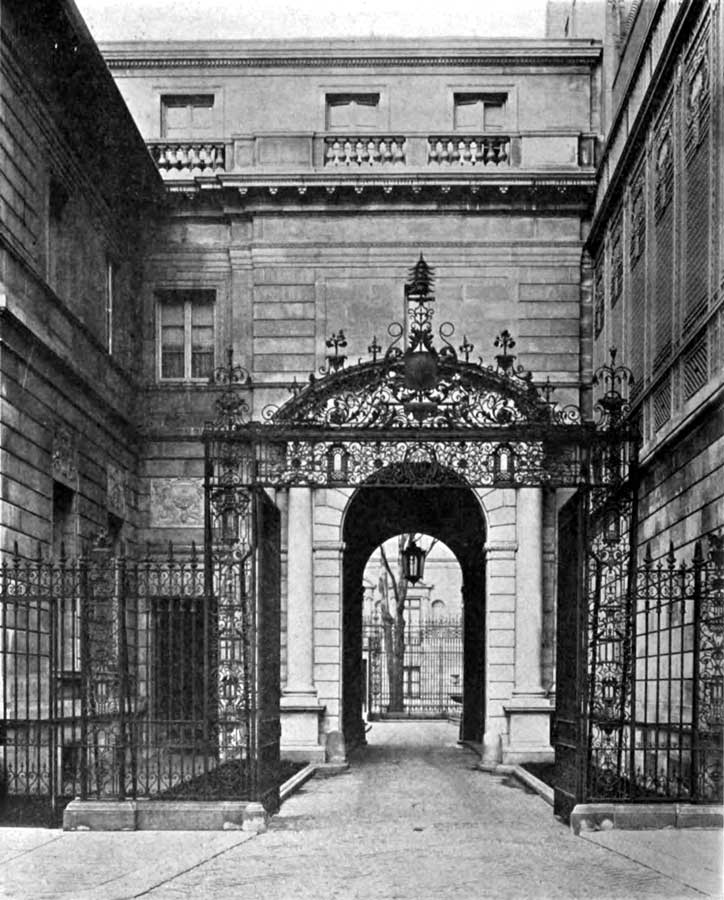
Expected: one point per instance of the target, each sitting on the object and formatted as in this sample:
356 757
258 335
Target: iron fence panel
432 668
125 679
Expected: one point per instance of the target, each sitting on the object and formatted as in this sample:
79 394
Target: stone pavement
411 820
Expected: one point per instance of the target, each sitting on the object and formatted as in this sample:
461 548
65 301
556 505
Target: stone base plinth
164 815
639 816
299 718
528 730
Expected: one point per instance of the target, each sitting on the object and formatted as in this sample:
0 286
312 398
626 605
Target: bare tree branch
393 579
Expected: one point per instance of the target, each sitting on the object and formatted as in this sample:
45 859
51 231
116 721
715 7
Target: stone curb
164 815
518 772
639 816
296 781
189 815
528 779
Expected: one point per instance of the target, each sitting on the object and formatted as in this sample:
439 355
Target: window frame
189 95
186 297
486 98
336 89
412 687
111 280
352 96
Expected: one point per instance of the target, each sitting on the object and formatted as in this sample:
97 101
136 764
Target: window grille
696 367
662 404
599 296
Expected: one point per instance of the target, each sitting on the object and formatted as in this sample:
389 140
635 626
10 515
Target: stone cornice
350 54
415 182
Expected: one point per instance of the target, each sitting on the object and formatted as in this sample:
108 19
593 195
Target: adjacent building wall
71 205
659 268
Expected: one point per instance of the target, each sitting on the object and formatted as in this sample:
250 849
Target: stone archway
449 511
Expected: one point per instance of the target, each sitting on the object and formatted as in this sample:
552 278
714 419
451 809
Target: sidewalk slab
104 865
690 856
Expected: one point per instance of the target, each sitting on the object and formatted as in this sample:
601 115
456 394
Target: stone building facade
304 180
299 182
76 191
657 256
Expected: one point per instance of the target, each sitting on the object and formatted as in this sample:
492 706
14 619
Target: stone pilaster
300 709
529 709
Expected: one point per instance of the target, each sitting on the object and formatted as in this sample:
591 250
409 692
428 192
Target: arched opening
446 509
412 652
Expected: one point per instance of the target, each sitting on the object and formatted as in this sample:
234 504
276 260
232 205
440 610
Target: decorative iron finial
505 359
547 390
466 348
231 408
374 348
230 373
421 280
336 359
615 381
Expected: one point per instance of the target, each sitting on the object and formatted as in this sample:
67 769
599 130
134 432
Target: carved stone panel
64 457
116 491
177 503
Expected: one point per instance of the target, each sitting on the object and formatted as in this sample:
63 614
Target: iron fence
124 679
432 668
656 705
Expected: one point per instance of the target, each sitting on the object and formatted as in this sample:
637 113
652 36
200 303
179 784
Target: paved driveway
412 819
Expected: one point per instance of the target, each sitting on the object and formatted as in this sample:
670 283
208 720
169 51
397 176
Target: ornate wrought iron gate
151 678
640 647
433 668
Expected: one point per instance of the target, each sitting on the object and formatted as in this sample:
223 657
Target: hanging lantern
413 562
612 531
227 515
337 463
503 464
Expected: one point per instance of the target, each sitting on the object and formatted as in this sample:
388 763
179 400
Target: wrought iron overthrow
411 411
415 385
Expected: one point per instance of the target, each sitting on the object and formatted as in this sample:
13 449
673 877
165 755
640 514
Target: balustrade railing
194 157
364 151
469 151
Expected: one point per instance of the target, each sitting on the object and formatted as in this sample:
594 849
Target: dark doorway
450 512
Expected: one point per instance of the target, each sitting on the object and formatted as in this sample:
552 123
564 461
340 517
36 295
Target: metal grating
696 367
662 404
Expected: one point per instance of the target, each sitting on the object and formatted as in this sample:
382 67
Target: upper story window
110 292
187 115
480 112
185 334
353 111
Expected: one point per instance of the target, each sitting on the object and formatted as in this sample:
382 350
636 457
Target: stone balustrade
469 151
364 151
296 153
188 158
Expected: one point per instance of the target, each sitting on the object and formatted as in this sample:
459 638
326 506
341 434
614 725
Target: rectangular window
110 287
63 522
187 115
185 334
412 682
480 112
356 112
